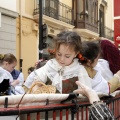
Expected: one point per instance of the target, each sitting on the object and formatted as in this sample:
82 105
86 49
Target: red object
117 22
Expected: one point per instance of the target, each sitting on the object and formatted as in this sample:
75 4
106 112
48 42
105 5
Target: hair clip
52 51
81 57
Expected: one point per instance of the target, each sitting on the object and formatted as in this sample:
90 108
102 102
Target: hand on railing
88 92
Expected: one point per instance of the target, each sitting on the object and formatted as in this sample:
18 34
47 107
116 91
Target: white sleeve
21 78
38 74
29 80
42 74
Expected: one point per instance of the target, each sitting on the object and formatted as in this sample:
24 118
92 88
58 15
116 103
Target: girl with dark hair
90 54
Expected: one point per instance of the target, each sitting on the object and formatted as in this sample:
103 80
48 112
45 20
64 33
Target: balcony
106 32
86 18
56 13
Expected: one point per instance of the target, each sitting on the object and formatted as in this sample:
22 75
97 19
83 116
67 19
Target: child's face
95 61
65 55
10 67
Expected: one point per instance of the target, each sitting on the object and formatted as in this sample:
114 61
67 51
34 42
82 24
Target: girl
63 70
7 64
90 55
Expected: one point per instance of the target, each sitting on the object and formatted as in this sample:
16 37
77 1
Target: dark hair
90 51
10 58
70 38
31 69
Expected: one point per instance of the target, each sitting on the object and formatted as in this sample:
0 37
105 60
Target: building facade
117 22
92 19
8 17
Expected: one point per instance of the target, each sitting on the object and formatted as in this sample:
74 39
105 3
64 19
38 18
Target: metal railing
64 111
106 32
57 10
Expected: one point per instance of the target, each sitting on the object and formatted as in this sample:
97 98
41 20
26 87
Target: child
8 63
90 55
63 70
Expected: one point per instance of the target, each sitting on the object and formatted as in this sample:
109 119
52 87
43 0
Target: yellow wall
27 36
108 10
29 7
67 2
27 44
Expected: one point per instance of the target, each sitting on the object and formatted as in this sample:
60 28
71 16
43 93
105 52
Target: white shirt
103 67
99 84
4 74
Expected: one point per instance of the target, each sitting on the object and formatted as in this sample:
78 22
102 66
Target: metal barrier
64 111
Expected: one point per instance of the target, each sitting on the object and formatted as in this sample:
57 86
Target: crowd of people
87 65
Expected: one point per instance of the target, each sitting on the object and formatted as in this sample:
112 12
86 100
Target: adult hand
88 92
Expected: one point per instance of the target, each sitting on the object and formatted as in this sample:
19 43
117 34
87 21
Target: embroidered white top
57 73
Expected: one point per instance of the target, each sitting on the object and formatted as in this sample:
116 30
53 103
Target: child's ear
89 62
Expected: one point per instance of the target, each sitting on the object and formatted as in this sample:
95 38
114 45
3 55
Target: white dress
57 74
99 84
103 67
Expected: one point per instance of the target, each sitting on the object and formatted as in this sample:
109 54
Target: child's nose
62 58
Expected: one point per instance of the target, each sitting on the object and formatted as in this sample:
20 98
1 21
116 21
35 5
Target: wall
109 15
27 36
8 4
116 8
117 21
8 31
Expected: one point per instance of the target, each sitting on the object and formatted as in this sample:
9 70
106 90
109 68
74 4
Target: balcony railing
85 21
57 10
106 32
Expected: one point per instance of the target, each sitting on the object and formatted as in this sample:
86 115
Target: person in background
40 63
98 110
18 75
110 53
30 69
8 62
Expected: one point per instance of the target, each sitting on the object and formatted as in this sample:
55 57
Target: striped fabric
99 111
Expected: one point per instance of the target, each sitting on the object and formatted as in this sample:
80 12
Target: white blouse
57 73
103 67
